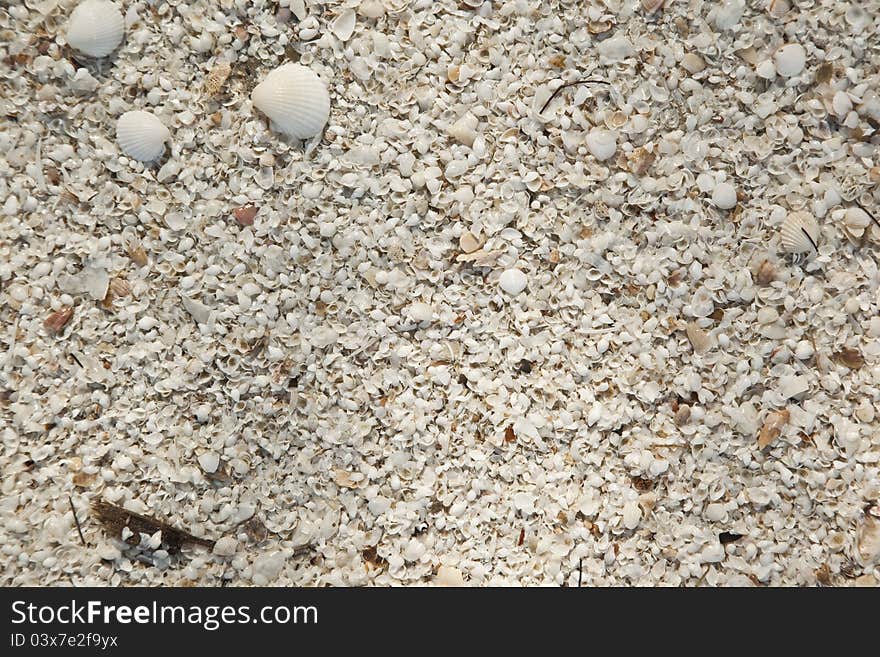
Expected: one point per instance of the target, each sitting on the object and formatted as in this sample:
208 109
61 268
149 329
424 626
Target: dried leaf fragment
58 320
772 428
850 357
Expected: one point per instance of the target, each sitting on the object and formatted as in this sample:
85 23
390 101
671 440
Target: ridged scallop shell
96 28
141 135
295 100
800 233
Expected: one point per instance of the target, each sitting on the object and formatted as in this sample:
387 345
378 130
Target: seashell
841 104
850 357
343 25
295 99
778 8
96 28
616 120
790 59
469 242
772 427
766 273
724 196
800 233
141 135
856 220
245 215
601 143
217 78
599 27
868 540
650 6
464 129
513 281
699 339
481 258
58 320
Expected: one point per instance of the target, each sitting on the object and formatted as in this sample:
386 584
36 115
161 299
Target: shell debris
352 285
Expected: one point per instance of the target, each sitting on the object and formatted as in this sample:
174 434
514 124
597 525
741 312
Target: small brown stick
568 84
76 520
580 571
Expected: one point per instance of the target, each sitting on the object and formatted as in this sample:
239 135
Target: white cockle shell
800 233
295 99
96 28
141 135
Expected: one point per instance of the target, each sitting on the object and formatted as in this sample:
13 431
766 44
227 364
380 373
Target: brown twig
115 518
568 84
76 520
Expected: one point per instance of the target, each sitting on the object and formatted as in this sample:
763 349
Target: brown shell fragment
58 320
772 428
217 78
245 214
137 254
850 357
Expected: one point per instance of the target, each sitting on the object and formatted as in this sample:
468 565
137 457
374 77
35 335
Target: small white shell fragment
468 242
513 281
420 312
96 28
693 63
226 546
856 221
790 59
209 461
724 196
632 514
766 70
841 104
728 13
295 99
141 135
93 281
699 339
868 540
199 311
792 386
616 48
601 143
344 24
804 350
448 576
464 129
799 233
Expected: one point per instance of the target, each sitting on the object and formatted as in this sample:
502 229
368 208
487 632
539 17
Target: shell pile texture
295 100
800 233
141 135
96 28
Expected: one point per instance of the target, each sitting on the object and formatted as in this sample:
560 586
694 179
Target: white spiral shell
800 233
141 135
295 100
96 28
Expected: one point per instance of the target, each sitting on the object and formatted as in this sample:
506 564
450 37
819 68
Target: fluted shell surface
800 233
141 135
295 100
96 28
